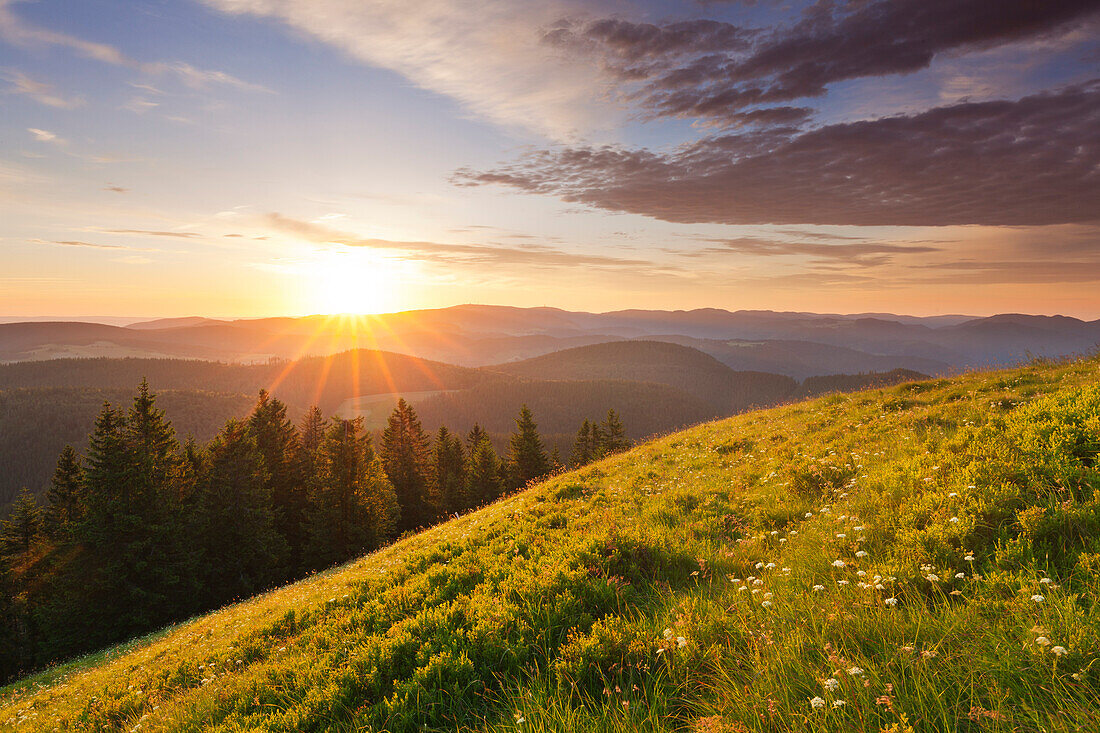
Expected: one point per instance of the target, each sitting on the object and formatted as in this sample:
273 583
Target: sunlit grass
903 559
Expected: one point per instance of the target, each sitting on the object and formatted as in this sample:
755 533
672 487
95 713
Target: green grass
672 588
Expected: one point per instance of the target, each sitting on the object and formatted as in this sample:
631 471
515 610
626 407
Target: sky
243 158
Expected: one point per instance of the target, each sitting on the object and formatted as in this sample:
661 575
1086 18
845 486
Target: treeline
143 530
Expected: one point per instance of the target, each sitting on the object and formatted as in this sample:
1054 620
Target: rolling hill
919 558
684 368
477 335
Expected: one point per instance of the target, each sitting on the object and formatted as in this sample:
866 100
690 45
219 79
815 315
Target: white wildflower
832 684
890 601
817 703
1060 651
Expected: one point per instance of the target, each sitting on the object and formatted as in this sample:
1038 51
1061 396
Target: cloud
153 233
710 69
1031 161
45 136
116 189
486 54
15 31
864 254
78 243
457 253
38 91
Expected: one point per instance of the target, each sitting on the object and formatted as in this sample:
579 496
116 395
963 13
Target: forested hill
678 366
918 558
324 381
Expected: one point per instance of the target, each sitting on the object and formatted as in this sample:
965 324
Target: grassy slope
619 597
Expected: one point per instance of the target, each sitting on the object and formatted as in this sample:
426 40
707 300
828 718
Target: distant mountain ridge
478 335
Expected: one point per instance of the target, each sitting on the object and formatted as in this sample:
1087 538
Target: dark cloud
533 255
1032 161
711 69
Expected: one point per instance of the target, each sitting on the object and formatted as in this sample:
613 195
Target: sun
353 282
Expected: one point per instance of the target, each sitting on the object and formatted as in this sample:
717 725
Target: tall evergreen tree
483 474
406 456
234 522
583 446
448 491
279 446
527 458
355 509
65 495
474 437
612 436
23 525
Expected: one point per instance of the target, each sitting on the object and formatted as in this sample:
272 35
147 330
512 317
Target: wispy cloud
45 136
153 233
457 253
486 54
14 30
38 91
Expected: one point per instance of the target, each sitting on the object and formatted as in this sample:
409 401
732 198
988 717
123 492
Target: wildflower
832 684
839 564
839 703
734 580
818 588
890 601
842 582
861 573
954 520
817 703
1042 641
932 577
952 495
861 553
766 604
520 719
1038 598
841 536
969 558
667 633
759 566
1045 581
855 671
809 515
960 576
681 642
767 596
1060 651
770 566
857 529
793 532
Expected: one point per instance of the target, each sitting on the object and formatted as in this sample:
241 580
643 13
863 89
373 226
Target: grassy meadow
919 558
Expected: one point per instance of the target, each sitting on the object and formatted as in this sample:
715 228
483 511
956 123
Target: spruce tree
583 446
483 474
612 436
474 438
65 495
448 491
406 456
527 458
23 525
355 508
279 446
234 522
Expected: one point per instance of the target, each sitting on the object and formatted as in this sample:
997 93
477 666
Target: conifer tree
406 456
527 458
234 522
483 474
355 509
583 446
23 525
612 436
65 495
474 438
448 492
279 446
